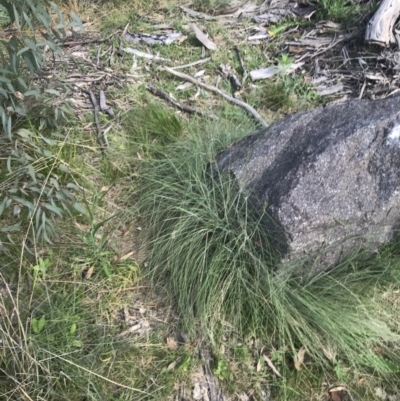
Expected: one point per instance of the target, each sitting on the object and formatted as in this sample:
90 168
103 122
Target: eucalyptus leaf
62 167
53 92
32 92
71 185
5 204
16 18
3 93
37 218
45 152
50 142
23 202
31 172
55 183
68 194
4 79
25 133
22 83
60 196
47 238
12 228
53 209
23 50
27 20
79 208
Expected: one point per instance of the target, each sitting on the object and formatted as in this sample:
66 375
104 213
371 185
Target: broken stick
164 95
210 88
100 137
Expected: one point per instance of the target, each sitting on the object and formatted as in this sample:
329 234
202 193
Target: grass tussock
206 246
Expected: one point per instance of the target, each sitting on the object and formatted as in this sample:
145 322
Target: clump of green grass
211 6
60 335
338 10
207 247
289 94
152 128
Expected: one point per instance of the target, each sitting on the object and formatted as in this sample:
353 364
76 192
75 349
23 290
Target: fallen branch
164 95
210 88
380 27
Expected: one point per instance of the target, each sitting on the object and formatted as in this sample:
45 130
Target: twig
98 55
83 42
103 106
143 54
191 64
100 138
210 88
137 287
242 66
91 372
362 89
226 71
164 95
330 46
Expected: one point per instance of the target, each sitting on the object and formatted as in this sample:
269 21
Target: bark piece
203 38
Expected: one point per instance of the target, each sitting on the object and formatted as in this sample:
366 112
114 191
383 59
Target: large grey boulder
329 179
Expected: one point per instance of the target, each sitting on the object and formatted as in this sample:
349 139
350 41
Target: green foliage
24 54
222 370
35 188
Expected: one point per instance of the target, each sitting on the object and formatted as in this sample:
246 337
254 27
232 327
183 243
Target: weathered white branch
380 28
214 89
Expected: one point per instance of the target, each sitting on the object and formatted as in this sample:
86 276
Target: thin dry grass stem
96 374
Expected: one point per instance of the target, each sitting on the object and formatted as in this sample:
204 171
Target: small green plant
285 60
222 370
277 29
338 10
97 236
38 324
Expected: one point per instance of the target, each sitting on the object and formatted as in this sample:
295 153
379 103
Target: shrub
31 189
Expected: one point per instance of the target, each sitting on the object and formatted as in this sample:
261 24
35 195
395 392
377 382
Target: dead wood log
380 27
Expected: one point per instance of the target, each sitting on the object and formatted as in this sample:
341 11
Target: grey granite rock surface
328 178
